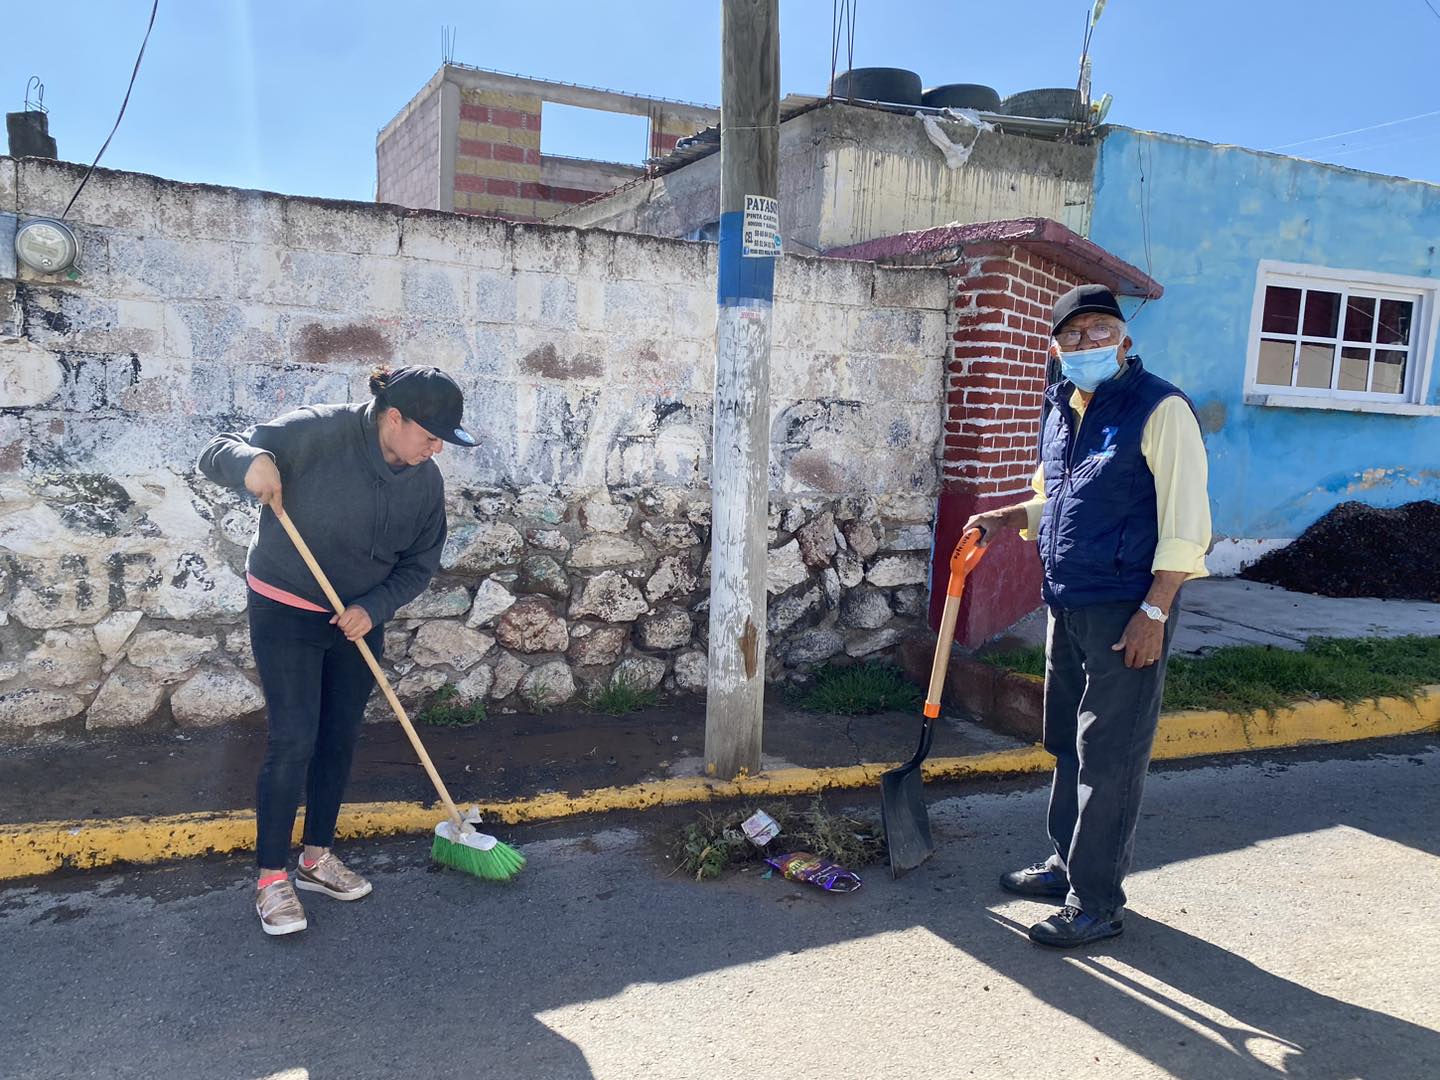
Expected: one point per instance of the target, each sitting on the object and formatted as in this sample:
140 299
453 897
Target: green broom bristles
499 863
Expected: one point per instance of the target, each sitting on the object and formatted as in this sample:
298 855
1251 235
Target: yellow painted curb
37 848
1197 733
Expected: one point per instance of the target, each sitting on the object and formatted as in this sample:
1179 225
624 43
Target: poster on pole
761 230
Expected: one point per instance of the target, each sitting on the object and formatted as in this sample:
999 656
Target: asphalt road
1284 922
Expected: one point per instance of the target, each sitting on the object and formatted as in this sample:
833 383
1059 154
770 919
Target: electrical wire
834 41
1145 183
843 11
1383 143
1432 8
1354 131
154 8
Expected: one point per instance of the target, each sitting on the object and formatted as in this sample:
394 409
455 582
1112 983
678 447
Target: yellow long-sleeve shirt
1172 447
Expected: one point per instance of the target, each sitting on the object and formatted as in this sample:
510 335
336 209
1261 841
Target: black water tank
29 134
962 96
1053 103
893 85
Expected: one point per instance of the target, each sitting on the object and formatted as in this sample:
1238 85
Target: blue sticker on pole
740 279
760 234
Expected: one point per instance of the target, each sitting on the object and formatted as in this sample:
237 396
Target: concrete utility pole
740 452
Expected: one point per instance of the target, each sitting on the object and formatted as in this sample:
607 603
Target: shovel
902 801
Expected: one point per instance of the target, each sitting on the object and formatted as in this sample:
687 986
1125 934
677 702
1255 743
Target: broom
457 844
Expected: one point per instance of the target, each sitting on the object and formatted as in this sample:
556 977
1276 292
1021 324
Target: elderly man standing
1123 520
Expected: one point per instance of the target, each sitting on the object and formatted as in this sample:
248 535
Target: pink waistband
280 596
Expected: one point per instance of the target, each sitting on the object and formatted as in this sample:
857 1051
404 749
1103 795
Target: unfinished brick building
470 142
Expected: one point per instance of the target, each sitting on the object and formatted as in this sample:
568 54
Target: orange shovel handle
963 559
967 554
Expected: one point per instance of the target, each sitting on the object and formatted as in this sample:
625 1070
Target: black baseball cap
432 399
1081 299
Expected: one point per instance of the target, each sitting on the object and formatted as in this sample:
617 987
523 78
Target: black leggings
316 686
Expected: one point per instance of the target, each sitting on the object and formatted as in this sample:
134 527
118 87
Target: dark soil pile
1359 550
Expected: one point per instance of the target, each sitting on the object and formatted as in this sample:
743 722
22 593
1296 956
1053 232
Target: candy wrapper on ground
803 866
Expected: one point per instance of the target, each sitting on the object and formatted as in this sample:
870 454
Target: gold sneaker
331 877
279 908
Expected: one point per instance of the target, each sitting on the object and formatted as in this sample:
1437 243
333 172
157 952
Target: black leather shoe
1037 880
1070 927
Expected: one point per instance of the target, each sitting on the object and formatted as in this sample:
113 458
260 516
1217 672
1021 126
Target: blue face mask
1088 368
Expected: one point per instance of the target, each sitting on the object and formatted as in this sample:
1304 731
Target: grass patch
446 710
860 689
1243 678
620 696
714 842
1029 660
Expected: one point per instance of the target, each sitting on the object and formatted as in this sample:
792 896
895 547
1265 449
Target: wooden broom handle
380 678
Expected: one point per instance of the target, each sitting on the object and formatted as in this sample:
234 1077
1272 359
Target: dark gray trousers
1100 719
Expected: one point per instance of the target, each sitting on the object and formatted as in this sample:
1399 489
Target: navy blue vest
1099 529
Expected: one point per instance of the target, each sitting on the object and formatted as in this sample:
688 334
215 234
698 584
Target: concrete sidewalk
567 751
162 795
1216 612
195 802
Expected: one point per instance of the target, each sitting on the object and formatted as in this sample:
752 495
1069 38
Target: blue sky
288 95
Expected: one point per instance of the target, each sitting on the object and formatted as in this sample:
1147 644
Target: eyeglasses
1071 338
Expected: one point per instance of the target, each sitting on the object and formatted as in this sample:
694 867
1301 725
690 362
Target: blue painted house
1300 314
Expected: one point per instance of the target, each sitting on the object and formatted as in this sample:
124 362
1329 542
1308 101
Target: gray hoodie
376 531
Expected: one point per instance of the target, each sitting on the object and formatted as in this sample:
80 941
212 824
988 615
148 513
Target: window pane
1316 363
1360 318
1395 322
1282 311
1389 371
1277 358
1322 313
1354 368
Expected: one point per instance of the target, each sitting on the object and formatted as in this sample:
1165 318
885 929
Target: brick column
995 378
497 163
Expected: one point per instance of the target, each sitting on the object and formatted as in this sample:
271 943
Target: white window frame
1411 402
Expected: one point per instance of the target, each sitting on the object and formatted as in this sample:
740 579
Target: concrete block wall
579 527
994 386
407 159
849 174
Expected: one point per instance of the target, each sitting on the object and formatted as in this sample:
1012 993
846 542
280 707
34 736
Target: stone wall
579 528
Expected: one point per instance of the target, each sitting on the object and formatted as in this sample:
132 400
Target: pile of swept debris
1360 550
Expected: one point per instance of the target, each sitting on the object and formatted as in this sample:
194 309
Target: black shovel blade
907 822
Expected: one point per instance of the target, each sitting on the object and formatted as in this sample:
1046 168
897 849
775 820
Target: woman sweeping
359 484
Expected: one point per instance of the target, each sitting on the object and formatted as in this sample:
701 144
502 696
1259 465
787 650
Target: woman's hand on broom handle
262 479
355 623
374 666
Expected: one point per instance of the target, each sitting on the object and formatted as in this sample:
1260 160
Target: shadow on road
438 975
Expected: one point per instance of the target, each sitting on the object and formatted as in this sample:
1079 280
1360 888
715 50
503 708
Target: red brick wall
995 377
497 159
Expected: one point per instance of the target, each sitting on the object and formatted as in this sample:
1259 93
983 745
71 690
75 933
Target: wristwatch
1153 612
